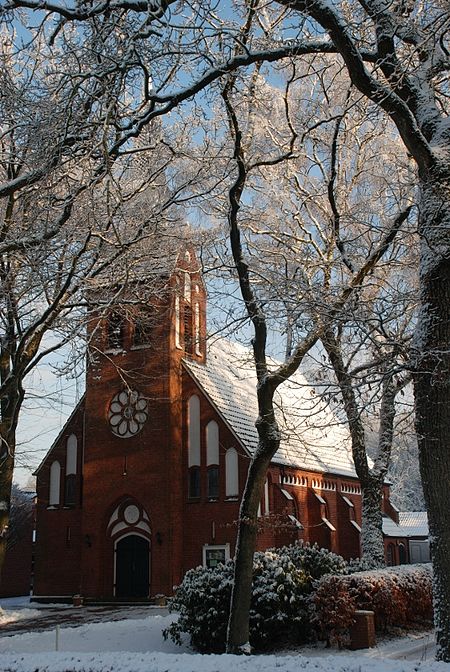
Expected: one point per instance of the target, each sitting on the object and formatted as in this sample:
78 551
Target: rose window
127 413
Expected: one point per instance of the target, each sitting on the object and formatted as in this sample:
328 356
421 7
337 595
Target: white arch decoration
55 484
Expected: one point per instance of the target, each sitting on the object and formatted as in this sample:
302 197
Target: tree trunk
10 405
6 479
432 391
238 625
372 544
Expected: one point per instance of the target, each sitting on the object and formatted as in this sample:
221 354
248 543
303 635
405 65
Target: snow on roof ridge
312 436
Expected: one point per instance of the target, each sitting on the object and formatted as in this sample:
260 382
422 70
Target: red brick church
144 480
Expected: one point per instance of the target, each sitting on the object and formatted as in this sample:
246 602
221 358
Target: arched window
194 431
213 482
187 286
194 483
115 331
212 458
71 455
390 555
212 443
194 446
266 497
55 484
188 336
141 334
197 329
231 473
71 470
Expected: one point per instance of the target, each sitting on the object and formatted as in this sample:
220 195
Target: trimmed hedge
398 596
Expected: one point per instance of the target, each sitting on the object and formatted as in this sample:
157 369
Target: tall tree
72 219
268 240
385 372
397 56
408 80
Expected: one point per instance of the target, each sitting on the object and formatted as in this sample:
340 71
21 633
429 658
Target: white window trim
266 497
215 547
212 443
187 287
197 329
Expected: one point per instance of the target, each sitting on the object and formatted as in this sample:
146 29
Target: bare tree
408 81
404 473
288 258
397 56
73 219
390 378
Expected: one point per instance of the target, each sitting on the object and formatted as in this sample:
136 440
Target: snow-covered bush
361 565
280 608
313 560
203 603
397 595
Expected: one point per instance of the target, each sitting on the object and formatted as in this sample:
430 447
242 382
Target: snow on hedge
397 595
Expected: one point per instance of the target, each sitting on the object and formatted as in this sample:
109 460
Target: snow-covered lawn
137 645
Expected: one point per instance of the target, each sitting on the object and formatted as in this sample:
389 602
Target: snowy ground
135 644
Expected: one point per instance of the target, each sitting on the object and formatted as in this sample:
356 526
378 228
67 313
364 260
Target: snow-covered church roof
312 437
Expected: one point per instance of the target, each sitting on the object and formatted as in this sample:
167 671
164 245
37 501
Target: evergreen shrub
280 608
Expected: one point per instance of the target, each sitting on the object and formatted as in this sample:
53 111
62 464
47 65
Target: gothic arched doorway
402 554
132 575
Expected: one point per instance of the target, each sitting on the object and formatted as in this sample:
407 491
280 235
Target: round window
131 514
127 413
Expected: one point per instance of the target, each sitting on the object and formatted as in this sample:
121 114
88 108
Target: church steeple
162 315
190 307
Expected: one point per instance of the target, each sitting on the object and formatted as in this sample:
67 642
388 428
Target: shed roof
411 524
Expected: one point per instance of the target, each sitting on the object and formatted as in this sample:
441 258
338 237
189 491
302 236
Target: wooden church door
132 567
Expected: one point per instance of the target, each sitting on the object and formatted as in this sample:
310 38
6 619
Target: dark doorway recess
132 567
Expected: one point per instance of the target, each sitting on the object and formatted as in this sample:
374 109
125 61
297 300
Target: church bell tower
132 507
